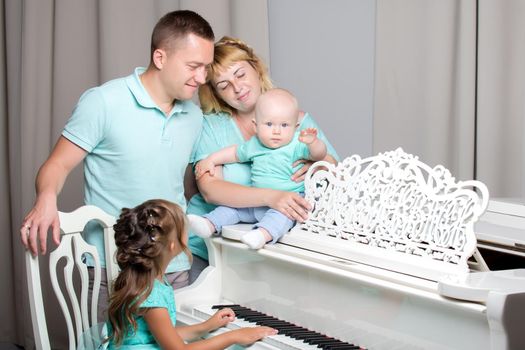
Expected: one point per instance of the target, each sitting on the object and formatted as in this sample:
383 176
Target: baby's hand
203 167
220 319
308 135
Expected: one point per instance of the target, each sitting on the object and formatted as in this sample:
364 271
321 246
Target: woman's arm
216 190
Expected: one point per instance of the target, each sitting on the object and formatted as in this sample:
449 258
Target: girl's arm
218 320
167 336
218 191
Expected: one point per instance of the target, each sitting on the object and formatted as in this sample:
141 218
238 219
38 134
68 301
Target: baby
272 152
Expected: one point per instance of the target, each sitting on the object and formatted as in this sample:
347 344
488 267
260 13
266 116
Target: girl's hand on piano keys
249 335
220 319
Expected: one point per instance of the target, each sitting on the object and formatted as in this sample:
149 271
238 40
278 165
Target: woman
236 79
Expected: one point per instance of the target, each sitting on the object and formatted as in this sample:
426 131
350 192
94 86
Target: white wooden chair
72 247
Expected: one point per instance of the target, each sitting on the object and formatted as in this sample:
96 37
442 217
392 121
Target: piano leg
505 319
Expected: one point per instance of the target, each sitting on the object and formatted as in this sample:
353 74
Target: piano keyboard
290 336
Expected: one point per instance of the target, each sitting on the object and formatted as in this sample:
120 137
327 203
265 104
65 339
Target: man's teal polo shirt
135 151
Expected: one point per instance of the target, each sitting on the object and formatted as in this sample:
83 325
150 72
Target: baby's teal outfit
161 296
272 167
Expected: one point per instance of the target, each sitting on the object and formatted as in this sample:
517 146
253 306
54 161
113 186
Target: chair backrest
72 248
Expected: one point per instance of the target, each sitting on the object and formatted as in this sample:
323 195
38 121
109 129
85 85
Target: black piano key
269 324
285 330
315 338
288 333
318 341
330 344
295 334
304 337
256 317
309 334
328 341
231 306
343 346
324 341
250 316
278 324
247 313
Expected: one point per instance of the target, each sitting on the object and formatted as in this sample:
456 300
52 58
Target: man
135 135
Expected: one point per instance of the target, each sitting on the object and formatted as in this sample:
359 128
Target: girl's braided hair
141 235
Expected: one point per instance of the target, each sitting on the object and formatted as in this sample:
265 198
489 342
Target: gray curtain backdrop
52 51
501 97
425 81
439 98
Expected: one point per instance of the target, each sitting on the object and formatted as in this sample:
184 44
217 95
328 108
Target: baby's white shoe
201 226
255 239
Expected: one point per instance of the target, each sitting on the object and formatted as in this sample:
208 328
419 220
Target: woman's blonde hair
227 52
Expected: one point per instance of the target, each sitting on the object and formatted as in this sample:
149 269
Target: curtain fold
425 81
52 51
450 87
501 97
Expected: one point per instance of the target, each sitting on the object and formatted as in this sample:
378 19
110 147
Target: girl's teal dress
161 296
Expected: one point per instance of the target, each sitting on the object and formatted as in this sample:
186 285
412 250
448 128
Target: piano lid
502 226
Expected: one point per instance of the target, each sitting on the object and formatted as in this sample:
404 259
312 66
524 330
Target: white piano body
381 262
502 229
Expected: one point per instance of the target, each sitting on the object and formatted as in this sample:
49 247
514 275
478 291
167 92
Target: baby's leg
201 226
272 225
205 226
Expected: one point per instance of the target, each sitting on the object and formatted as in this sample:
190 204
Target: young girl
142 306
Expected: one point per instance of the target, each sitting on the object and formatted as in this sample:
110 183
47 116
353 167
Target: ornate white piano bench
388 257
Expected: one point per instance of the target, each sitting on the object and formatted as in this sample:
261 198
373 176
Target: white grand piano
388 259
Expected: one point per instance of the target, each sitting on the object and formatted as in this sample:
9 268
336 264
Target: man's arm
49 182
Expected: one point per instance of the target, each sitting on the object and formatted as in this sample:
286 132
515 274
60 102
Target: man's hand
36 224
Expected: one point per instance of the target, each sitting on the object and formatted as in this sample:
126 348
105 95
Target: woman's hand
220 319
300 174
291 204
